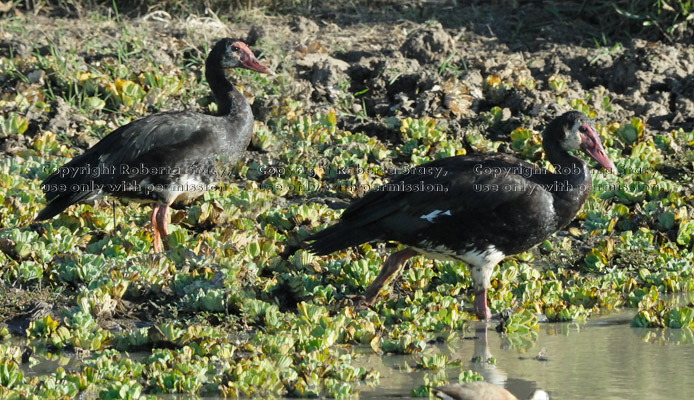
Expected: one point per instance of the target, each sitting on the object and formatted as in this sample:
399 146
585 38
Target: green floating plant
130 390
632 132
526 142
521 322
11 373
406 344
12 124
661 315
435 361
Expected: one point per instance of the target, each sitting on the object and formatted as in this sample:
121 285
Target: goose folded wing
408 205
160 140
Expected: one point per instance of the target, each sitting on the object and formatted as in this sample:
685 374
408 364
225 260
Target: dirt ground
432 59
438 67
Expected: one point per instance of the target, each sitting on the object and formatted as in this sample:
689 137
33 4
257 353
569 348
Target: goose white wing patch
434 214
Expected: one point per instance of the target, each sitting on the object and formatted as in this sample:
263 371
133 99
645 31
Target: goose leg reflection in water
492 388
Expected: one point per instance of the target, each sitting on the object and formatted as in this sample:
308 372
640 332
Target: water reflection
484 363
665 336
603 358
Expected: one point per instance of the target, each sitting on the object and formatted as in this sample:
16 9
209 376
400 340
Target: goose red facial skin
249 61
591 144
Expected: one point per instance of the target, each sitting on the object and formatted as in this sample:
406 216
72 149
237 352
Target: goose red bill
249 61
591 144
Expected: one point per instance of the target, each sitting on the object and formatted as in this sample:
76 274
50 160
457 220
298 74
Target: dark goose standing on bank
491 206
165 157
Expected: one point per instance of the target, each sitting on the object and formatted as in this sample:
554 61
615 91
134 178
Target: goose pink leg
390 267
156 243
480 303
160 225
163 225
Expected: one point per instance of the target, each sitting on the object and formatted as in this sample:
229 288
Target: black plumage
165 157
477 208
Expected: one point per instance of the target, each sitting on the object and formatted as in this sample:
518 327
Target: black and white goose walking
165 157
477 209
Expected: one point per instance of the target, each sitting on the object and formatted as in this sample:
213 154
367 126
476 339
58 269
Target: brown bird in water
481 391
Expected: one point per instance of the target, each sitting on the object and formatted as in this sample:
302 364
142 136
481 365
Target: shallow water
604 358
